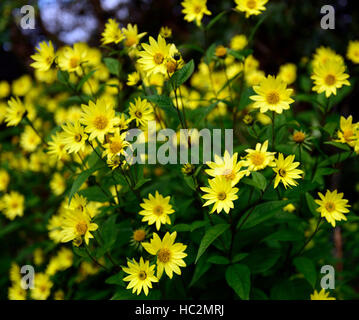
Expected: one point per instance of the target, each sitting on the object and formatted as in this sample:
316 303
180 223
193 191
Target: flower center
164 255
229 174
100 122
251 4
158 58
348 134
139 235
130 41
78 137
116 147
14 205
158 210
221 196
74 62
138 114
171 66
257 158
282 172
81 228
330 206
142 275
197 9
330 79
298 137
273 97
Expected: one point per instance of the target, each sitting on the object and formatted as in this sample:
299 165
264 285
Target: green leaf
80 180
320 172
116 279
262 260
109 232
201 113
215 19
330 128
63 77
238 277
201 268
113 66
285 235
164 102
307 268
339 145
311 204
84 79
211 234
218 260
239 257
210 54
140 183
259 180
94 193
182 75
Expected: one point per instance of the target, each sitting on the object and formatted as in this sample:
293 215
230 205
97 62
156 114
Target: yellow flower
4 180
99 119
194 10
289 208
58 184
12 205
73 137
38 256
16 292
227 166
254 77
169 254
44 57
70 59
154 57
116 145
221 51
321 295
42 288
353 51
288 73
259 158
112 33
14 112
141 275
56 148
156 210
76 224
272 95
329 77
286 171
346 134
21 86
29 140
15 275
4 89
141 111
332 206
133 79
323 54
165 32
132 38
138 237
54 228
238 42
220 193
251 7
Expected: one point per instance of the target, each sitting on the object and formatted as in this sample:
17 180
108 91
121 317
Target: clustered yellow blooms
349 133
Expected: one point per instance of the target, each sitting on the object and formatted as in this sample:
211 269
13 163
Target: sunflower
346 134
132 37
141 275
12 205
220 193
156 210
251 7
321 295
76 224
329 77
259 158
169 254
44 57
194 10
154 57
141 111
116 145
227 166
286 171
272 94
99 119
112 33
73 137
14 112
332 206
353 51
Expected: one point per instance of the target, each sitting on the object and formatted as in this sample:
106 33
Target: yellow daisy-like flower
288 73
228 167
29 140
16 292
77 224
44 57
194 10
154 57
12 205
4 179
332 206
353 51
116 145
74 137
133 79
321 295
329 77
259 158
58 184
239 42
112 33
324 54
220 193
169 254
56 149
165 32
99 119
272 95
70 59
141 111
14 112
4 89
156 210
132 37
251 7
286 171
42 288
347 131
141 275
